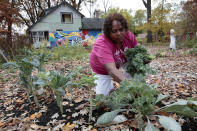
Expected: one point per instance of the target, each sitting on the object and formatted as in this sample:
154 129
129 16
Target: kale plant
26 65
86 79
57 81
138 58
143 99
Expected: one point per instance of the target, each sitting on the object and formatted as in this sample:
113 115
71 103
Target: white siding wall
53 21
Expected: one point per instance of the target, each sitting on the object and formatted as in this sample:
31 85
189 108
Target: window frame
61 15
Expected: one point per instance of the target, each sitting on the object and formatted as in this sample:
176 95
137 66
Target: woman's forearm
117 75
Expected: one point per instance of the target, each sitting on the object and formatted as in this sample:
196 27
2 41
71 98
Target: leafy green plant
42 58
138 58
190 42
26 65
143 99
57 81
86 80
193 51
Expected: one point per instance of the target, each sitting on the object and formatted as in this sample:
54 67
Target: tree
127 15
8 16
76 3
139 17
147 4
139 20
190 10
106 5
160 21
90 4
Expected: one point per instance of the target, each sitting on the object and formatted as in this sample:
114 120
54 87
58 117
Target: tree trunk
148 7
149 32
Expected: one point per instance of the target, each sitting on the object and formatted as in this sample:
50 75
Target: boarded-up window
37 36
66 17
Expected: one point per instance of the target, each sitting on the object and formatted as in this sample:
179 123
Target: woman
107 55
172 40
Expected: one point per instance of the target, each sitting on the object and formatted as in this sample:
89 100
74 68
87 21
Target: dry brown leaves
177 77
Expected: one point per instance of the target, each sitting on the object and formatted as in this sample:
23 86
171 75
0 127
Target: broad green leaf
108 117
35 63
61 90
45 75
9 64
150 127
161 97
39 82
40 91
182 107
169 123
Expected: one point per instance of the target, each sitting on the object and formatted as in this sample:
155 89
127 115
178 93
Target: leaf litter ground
176 77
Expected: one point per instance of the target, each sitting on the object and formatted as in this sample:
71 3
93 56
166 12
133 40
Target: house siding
52 22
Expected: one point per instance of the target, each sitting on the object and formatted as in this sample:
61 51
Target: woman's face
117 33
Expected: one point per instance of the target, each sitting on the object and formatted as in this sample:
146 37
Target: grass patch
69 53
65 52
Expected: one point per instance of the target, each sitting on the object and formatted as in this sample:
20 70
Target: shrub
18 42
189 42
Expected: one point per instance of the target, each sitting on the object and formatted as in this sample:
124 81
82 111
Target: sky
128 4
122 4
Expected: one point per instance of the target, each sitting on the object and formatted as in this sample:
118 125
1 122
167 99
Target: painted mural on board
84 37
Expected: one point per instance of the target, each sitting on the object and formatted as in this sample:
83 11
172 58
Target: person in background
172 40
107 55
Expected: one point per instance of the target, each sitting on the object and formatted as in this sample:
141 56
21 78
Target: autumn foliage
190 8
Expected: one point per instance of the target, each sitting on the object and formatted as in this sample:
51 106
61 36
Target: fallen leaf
71 104
7 103
36 115
68 110
134 123
83 112
1 124
75 114
64 103
55 116
180 85
34 126
78 100
20 101
163 113
68 127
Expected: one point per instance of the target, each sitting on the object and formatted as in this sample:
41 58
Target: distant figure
172 40
196 35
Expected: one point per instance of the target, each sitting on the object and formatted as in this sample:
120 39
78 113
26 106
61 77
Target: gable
53 17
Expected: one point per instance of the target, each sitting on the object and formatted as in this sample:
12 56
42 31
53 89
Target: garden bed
176 77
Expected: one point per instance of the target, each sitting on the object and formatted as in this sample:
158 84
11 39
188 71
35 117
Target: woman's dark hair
108 23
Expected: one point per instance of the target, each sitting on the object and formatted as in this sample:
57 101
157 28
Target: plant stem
60 102
28 95
140 122
90 111
35 97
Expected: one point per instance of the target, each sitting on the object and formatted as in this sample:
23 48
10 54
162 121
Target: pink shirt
104 51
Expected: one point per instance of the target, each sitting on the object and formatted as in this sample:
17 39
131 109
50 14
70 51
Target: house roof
52 9
92 23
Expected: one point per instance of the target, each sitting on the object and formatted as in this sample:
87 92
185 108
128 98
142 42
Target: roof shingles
92 23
